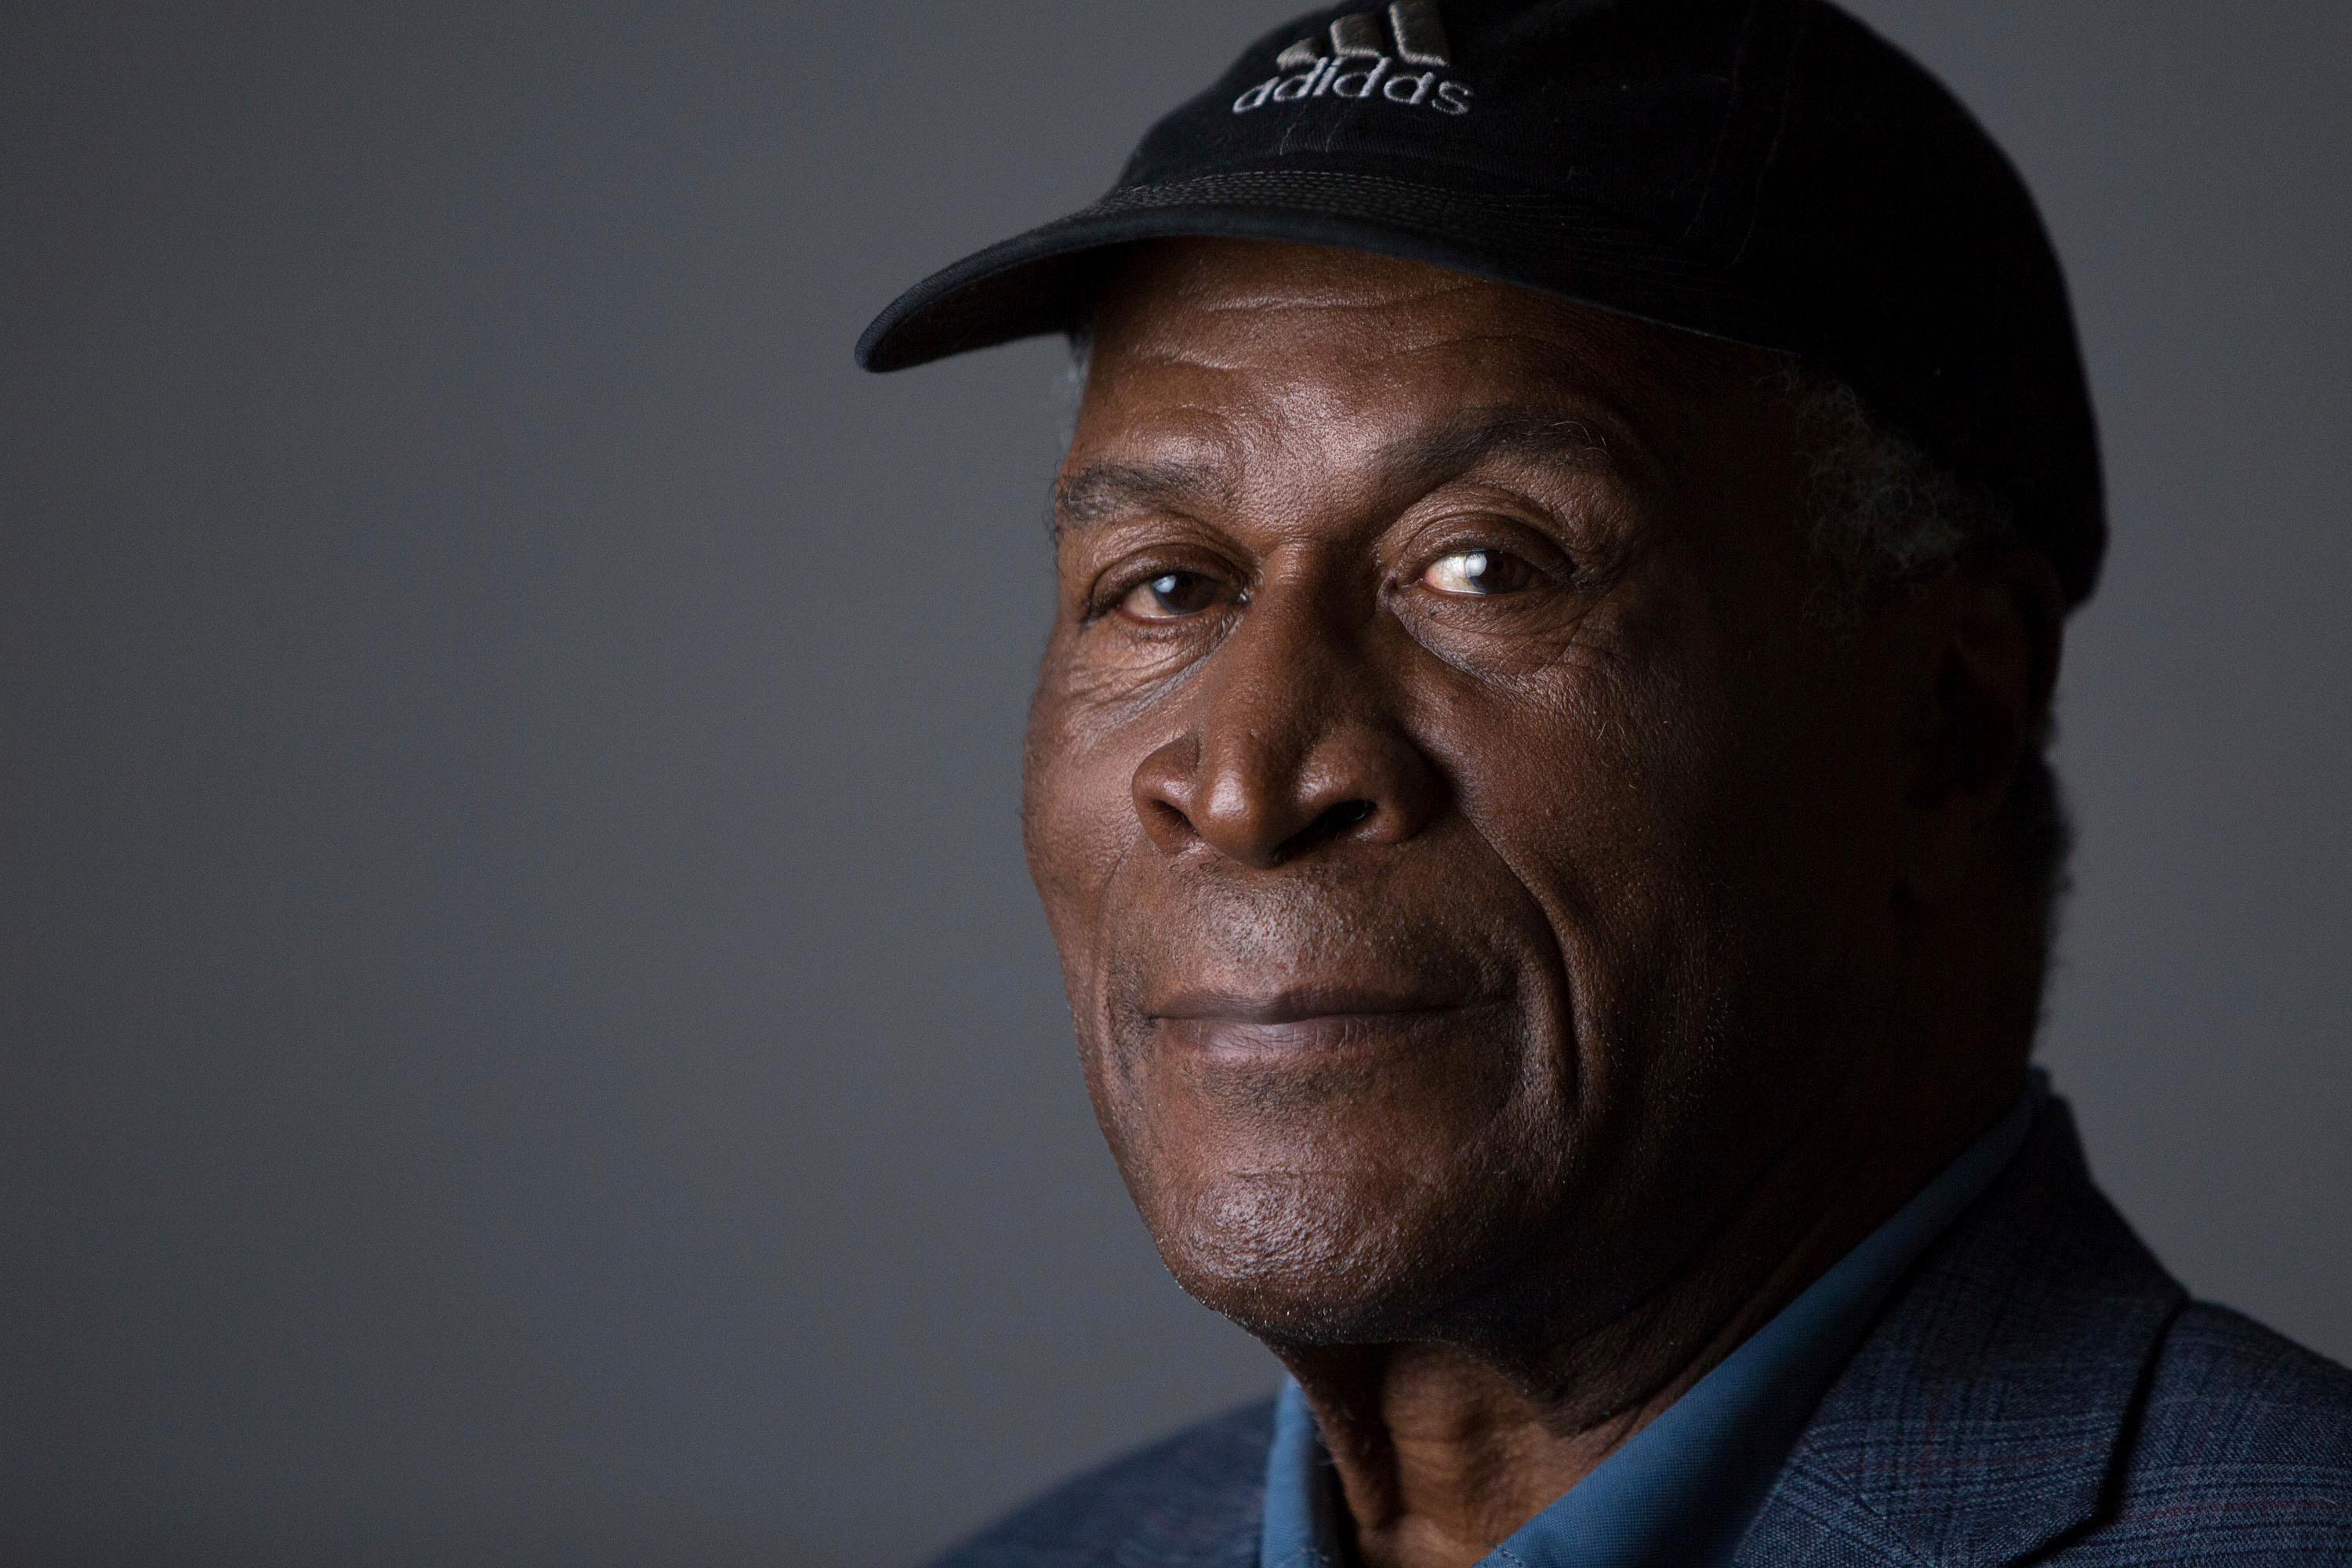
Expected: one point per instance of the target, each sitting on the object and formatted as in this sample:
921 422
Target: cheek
1081 834
1077 816
1696 818
1591 778
1609 783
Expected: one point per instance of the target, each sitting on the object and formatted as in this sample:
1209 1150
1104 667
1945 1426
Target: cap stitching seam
1730 117
1772 151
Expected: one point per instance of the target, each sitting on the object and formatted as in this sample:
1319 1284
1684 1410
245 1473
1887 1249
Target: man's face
1470 864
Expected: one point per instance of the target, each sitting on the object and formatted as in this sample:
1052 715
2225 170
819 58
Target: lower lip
1324 1033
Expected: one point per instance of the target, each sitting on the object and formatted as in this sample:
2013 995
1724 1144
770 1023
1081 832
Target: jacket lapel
1980 1419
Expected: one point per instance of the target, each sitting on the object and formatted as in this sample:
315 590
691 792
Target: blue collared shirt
1684 1488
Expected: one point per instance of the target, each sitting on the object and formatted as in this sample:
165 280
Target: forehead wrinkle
1181 459
1460 443
1346 295
1227 274
1234 330
1210 368
1534 370
1300 450
1356 423
1571 367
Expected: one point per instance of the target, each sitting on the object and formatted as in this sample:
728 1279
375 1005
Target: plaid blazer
2038 1390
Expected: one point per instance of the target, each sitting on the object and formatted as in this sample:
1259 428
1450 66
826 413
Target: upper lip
1296 1003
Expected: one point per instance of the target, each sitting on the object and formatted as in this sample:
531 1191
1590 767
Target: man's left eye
1478 574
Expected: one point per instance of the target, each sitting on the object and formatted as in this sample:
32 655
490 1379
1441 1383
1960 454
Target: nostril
1328 823
1167 822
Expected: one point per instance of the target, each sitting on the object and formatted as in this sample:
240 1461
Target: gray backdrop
527 1035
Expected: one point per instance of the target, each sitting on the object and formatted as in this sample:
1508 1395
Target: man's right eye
1170 596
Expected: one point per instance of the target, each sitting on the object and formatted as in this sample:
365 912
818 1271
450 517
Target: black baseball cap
1769 172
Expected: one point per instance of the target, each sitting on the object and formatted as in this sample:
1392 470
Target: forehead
1238 342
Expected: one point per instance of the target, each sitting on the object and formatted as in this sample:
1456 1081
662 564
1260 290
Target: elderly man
1538 779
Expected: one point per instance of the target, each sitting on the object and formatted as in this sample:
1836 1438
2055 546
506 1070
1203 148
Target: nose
1293 747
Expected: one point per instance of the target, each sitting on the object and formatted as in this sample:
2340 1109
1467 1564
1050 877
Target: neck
1444 1446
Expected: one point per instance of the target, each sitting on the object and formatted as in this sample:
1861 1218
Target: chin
1315 1261
1354 1190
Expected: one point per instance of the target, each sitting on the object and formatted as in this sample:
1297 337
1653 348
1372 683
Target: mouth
1306 1019
1295 1004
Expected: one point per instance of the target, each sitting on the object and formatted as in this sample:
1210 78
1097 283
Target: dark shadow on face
1469 864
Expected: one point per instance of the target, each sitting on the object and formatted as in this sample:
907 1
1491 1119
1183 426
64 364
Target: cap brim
1041 281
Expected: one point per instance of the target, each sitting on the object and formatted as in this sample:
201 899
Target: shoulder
2223 1379
1194 1497
2241 1452
2042 1391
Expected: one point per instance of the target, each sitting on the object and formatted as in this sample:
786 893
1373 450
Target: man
1538 780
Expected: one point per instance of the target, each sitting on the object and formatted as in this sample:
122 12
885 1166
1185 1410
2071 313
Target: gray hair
1886 515
1883 513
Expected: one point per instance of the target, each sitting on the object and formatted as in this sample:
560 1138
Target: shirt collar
1686 1486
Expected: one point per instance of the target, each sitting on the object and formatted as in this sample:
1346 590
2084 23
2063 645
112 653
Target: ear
1993 630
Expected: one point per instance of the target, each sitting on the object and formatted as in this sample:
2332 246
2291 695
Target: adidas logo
1360 64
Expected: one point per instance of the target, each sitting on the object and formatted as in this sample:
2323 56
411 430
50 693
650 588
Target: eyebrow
1108 489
